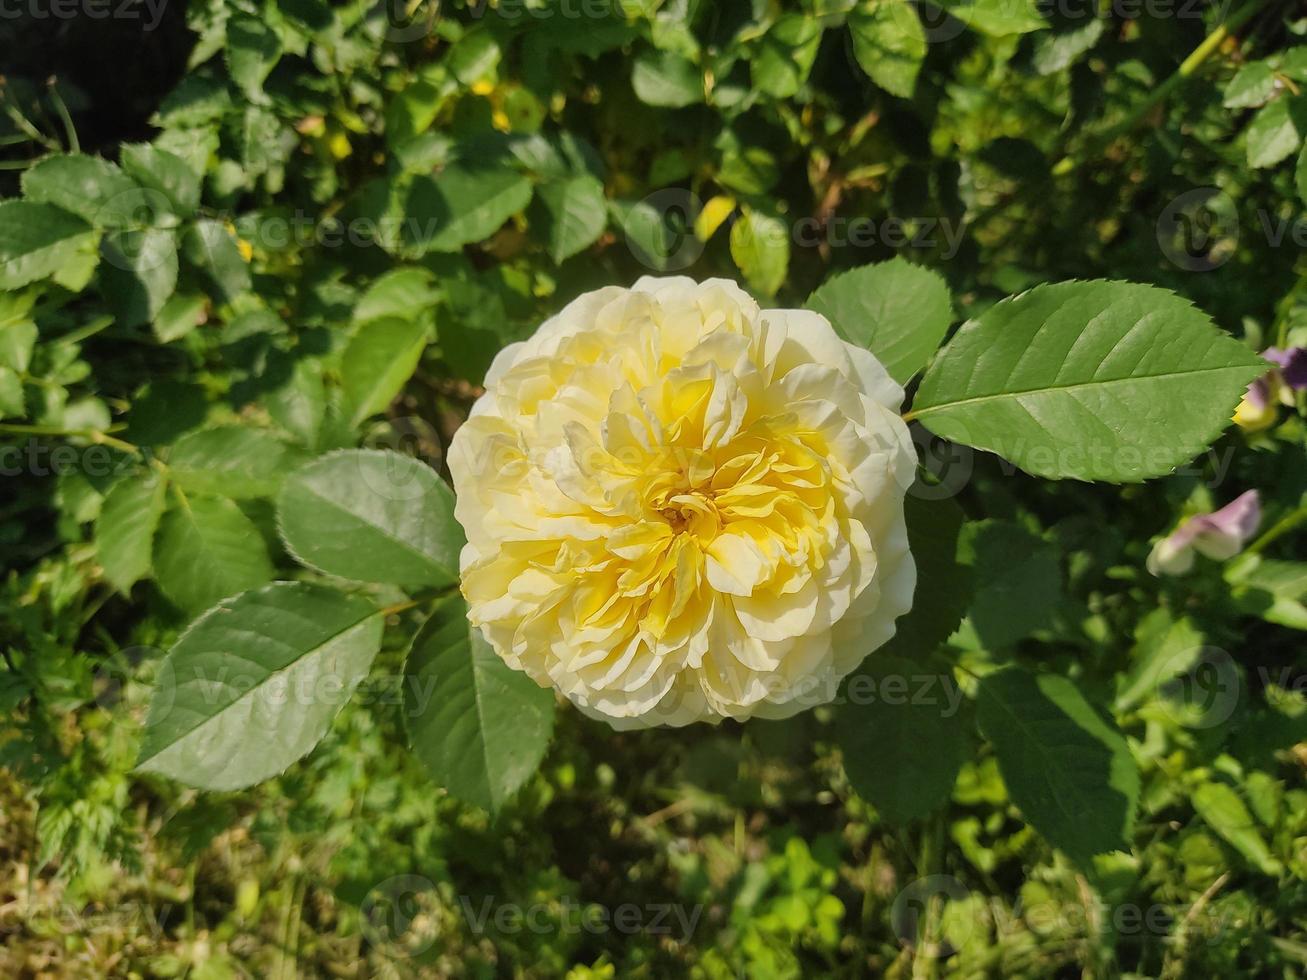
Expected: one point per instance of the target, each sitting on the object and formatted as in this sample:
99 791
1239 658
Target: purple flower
1219 535
1288 375
1292 363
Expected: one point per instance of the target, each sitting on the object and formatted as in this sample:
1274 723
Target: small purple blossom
1219 535
1288 375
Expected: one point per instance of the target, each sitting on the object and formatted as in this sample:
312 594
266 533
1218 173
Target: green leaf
748 170
1018 581
785 55
198 99
378 361
372 516
760 246
40 240
480 727
1276 131
576 214
1164 647
14 690
889 44
460 205
1224 811
124 531
18 331
164 172
996 18
1068 769
235 461
665 78
252 51
1274 590
207 549
897 310
90 187
402 292
1293 63
903 735
181 314
945 583
659 238
904 743
253 685
299 405
1300 175
210 247
139 273
1089 380
1054 52
474 56
13 403
1252 85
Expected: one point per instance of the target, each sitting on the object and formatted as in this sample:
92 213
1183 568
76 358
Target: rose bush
272 281
681 507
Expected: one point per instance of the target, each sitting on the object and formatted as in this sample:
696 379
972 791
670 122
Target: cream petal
736 565
770 618
681 508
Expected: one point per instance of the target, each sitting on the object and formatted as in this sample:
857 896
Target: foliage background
1009 144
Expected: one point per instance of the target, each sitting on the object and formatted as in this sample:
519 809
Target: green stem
89 329
62 109
1277 530
925 957
25 124
95 435
1188 68
400 607
1284 309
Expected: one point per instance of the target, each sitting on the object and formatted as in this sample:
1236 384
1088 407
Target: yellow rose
680 507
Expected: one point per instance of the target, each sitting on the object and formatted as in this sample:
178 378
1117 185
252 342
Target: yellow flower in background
1254 414
680 507
1278 386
